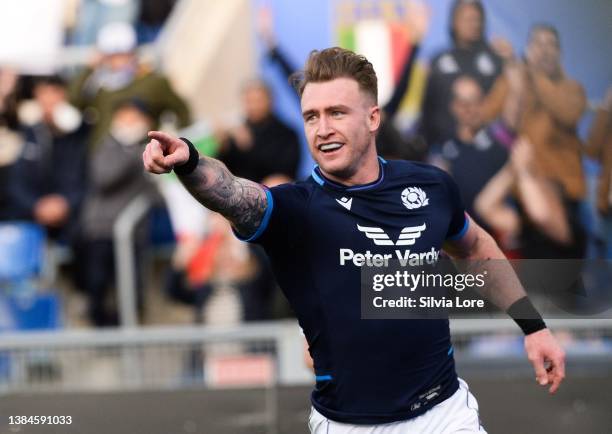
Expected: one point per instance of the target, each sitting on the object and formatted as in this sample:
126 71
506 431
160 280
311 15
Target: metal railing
151 357
125 258
257 356
168 358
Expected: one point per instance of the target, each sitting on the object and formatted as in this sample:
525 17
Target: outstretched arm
239 200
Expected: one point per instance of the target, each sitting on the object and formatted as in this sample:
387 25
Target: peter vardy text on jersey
405 257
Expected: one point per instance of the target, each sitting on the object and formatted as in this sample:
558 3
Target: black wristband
190 165
526 316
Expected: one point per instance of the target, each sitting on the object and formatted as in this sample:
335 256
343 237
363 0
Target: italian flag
387 45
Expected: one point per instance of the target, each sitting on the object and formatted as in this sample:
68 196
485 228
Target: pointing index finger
163 138
156 150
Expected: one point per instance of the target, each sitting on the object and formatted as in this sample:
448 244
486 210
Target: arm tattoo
239 200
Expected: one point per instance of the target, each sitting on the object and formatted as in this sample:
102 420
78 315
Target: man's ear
374 118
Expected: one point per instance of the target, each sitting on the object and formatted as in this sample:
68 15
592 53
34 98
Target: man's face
543 52
468 24
129 125
49 96
119 61
467 103
256 103
128 116
340 122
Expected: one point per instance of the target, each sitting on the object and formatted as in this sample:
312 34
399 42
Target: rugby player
383 376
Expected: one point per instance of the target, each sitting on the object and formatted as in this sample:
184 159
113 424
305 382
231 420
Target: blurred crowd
504 125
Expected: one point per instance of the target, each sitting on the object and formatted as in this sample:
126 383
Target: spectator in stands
539 222
390 143
47 183
599 146
552 105
477 151
118 76
263 145
469 55
116 178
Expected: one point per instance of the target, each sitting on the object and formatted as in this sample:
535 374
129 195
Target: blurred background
126 305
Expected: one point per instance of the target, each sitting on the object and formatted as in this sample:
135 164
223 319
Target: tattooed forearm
241 201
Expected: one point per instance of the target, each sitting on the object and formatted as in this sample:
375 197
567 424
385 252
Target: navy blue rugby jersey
367 371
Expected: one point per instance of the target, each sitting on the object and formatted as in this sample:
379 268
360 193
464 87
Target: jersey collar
325 182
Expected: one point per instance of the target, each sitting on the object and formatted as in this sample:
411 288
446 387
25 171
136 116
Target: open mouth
328 148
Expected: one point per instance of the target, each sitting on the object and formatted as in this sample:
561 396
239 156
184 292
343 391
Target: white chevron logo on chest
407 237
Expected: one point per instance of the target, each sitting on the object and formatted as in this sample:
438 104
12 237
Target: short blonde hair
336 62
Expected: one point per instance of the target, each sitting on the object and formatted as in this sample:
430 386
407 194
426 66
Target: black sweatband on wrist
526 316
190 165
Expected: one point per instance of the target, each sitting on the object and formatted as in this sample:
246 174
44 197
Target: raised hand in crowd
417 19
515 74
503 48
265 26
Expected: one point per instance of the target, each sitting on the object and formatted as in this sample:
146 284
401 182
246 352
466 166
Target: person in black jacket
47 182
470 55
262 145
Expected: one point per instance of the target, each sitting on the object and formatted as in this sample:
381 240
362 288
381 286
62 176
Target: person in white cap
116 75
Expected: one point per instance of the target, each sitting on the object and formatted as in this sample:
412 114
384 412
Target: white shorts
457 414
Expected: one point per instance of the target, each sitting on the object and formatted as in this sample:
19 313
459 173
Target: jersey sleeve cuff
264 222
461 233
